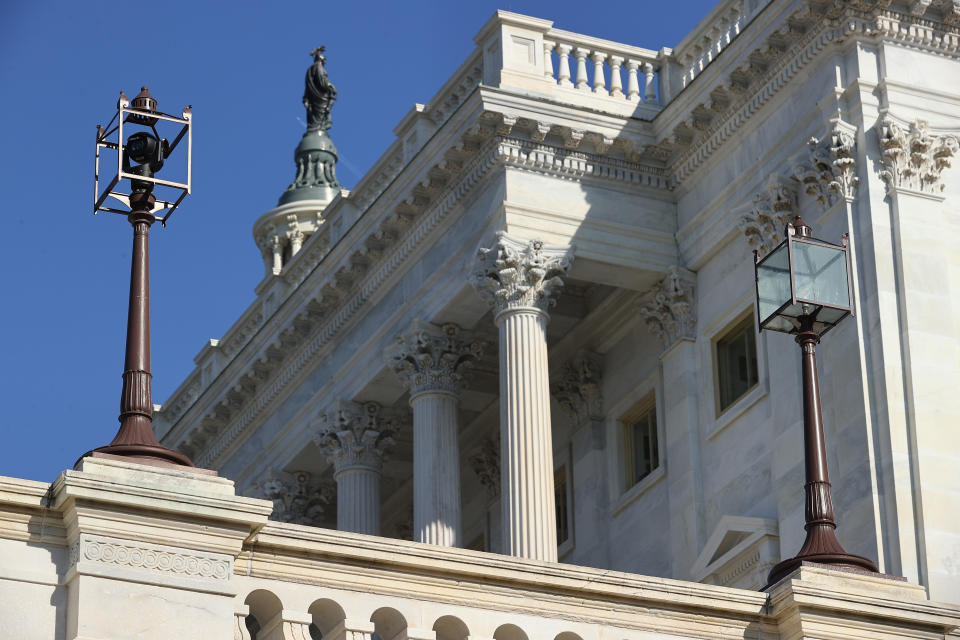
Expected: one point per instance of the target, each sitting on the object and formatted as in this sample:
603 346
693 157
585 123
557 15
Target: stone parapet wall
118 550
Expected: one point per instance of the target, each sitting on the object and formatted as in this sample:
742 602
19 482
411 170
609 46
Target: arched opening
264 606
567 635
451 628
387 623
509 632
326 615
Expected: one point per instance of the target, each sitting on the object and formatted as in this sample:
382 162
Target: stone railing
584 63
714 33
120 550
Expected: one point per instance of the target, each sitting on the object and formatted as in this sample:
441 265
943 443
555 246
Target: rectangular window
736 362
641 450
560 497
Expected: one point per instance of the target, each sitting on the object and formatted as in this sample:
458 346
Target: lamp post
139 158
804 288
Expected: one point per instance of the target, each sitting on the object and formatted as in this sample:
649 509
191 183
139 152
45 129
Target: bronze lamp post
804 288
139 158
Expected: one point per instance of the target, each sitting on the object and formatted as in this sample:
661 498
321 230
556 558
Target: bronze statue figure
319 93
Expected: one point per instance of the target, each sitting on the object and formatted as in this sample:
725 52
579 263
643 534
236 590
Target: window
736 363
560 497
640 447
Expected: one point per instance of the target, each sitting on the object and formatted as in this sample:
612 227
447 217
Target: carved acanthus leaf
577 388
668 307
486 464
515 274
914 158
772 209
297 497
432 358
830 172
355 435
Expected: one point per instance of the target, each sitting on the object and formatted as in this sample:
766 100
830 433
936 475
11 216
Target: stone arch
388 622
509 632
567 635
451 628
326 614
264 606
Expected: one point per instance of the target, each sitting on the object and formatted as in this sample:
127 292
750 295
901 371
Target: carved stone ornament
577 388
772 209
668 309
432 358
830 172
355 435
485 462
516 274
913 158
297 498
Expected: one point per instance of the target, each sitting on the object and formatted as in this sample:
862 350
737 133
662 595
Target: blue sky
241 65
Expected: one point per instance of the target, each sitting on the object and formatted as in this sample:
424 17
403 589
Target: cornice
762 73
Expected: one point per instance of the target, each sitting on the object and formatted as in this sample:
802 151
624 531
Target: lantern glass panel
820 274
773 282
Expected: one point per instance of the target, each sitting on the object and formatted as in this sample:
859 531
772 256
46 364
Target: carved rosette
485 463
577 388
296 497
831 170
354 435
668 308
515 274
772 209
914 158
432 358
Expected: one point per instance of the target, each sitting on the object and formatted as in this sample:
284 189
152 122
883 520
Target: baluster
563 54
599 83
581 54
548 58
616 89
633 87
649 90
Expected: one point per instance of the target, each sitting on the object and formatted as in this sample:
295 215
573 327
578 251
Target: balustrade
607 60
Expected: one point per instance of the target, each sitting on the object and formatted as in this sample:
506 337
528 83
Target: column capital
830 170
485 462
577 387
297 497
772 209
912 157
669 307
517 274
357 435
432 358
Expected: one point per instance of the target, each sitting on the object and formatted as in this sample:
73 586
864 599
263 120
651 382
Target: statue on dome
319 93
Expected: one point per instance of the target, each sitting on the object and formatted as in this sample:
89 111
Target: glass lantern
804 279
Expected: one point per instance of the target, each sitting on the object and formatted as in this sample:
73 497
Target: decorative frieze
355 435
577 387
153 558
772 209
297 497
830 171
912 157
515 273
668 307
432 358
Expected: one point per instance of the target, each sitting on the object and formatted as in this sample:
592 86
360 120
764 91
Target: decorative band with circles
158 559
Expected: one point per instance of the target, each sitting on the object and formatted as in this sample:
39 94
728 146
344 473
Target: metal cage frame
103 142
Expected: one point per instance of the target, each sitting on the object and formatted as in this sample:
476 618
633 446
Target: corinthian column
356 437
520 280
430 360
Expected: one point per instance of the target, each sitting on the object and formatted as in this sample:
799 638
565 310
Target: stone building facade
543 291
530 330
